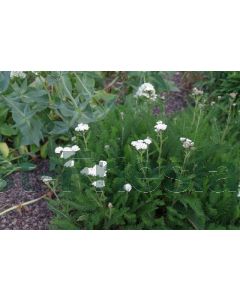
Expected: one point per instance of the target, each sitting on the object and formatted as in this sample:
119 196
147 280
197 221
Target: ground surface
23 187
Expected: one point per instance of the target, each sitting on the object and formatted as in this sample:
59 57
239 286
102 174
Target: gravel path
23 187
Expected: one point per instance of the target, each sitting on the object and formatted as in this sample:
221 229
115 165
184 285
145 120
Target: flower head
127 187
99 170
102 163
233 95
146 90
82 127
58 150
75 148
66 152
160 126
197 92
186 143
99 184
69 164
140 145
147 141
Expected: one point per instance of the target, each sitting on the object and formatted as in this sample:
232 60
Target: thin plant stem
198 122
160 151
227 123
22 204
85 142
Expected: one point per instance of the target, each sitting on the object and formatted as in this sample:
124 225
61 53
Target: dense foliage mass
119 162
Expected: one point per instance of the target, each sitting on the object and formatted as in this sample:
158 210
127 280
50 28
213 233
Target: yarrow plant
140 176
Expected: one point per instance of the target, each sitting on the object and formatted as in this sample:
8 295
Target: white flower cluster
197 92
82 127
160 126
141 144
186 143
69 164
18 74
146 90
99 184
99 170
66 152
233 95
127 187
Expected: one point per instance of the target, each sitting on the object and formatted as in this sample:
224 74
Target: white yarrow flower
58 150
233 95
127 187
146 90
75 148
99 170
160 126
141 144
69 164
102 163
197 92
66 152
147 141
82 127
99 184
187 143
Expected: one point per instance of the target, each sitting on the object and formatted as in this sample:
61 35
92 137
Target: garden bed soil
21 188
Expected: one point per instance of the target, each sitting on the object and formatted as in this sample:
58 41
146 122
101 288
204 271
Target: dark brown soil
176 101
23 187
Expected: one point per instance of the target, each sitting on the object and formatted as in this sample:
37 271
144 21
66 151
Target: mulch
23 187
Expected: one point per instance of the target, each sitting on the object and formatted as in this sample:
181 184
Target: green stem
227 124
85 141
198 122
160 151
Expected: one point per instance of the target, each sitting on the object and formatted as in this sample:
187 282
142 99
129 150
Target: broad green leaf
44 150
7 130
4 149
27 166
4 80
3 184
